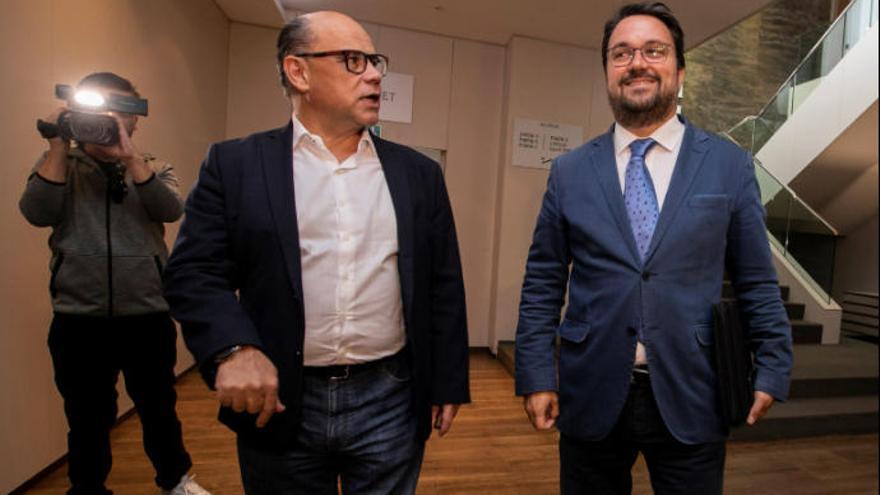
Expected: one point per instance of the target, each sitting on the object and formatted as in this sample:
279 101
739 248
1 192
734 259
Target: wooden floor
493 450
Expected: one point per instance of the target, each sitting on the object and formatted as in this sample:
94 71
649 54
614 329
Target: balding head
314 32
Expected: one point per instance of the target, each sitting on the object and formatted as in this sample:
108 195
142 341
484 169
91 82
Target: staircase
802 331
833 391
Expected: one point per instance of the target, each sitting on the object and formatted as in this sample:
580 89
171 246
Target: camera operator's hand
54 168
124 150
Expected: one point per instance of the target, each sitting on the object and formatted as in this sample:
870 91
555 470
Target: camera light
89 98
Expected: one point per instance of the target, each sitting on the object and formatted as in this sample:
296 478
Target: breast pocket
709 201
704 228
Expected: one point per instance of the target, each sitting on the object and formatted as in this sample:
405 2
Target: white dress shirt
660 162
348 250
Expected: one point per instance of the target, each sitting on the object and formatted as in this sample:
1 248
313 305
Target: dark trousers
357 433
88 353
604 467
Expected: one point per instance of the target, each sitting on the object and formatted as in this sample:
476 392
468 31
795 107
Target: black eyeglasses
653 53
355 60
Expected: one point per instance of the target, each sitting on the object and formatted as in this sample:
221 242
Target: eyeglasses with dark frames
653 53
355 60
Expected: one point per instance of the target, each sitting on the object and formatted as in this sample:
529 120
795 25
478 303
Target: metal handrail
840 18
782 184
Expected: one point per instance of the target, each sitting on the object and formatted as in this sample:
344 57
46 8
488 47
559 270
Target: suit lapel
277 164
394 168
605 164
690 159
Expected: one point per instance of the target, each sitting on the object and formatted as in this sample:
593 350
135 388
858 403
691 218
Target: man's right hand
248 381
58 141
542 408
54 167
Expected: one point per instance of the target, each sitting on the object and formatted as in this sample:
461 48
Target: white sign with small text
536 143
397 98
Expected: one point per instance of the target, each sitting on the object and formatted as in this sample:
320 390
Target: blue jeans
357 433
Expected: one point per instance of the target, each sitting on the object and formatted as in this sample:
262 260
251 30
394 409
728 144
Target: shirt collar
301 135
667 135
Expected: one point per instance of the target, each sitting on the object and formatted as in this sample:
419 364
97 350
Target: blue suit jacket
712 219
234 276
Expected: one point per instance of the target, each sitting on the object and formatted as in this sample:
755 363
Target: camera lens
89 128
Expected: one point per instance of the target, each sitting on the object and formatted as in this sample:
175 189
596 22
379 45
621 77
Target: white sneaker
187 486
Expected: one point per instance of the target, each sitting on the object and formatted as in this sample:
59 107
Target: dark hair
294 37
658 10
108 80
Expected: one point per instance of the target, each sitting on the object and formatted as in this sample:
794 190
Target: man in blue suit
640 224
318 283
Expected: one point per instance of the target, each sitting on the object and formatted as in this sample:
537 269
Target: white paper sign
397 98
536 143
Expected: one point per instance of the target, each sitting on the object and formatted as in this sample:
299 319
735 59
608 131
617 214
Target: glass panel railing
743 132
772 117
843 34
802 237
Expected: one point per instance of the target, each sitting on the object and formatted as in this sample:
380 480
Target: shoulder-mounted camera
87 121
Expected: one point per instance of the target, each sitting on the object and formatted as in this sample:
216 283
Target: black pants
88 353
604 467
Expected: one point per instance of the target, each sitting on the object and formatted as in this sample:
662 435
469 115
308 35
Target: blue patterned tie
641 202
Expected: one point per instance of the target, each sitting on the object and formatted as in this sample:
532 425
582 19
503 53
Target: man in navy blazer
640 225
317 280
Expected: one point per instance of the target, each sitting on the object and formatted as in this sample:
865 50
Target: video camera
87 121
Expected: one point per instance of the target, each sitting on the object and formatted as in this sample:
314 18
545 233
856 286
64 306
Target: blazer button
646 276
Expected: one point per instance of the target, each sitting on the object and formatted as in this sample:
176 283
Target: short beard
642 114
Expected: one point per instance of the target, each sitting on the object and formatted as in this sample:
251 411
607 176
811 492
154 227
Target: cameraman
106 206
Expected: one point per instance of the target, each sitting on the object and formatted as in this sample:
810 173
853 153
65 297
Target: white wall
175 53
856 260
856 203
547 82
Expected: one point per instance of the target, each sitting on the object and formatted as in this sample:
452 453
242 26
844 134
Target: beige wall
548 82
176 54
255 101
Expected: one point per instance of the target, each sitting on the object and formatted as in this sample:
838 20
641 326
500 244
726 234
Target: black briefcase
733 364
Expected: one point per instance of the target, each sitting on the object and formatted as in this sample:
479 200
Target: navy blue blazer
712 219
234 276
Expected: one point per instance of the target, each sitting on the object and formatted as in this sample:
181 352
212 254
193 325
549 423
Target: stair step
728 292
795 310
814 388
845 369
814 417
806 332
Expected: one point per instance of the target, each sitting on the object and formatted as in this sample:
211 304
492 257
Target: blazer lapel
277 163
605 164
690 159
394 168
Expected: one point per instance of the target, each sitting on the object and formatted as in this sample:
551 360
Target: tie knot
640 147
